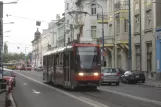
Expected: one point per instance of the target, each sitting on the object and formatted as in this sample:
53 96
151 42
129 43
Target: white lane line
133 97
66 93
24 83
33 73
36 92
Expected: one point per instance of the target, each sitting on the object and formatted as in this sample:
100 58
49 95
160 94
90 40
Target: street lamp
14 2
9 23
7 31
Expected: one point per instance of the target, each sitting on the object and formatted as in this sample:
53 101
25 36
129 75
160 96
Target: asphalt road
30 91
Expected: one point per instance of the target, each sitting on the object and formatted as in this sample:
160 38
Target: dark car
133 77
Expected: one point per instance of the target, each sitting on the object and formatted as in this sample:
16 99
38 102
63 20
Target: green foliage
7 57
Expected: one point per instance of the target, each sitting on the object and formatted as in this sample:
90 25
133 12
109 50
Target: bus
76 65
9 65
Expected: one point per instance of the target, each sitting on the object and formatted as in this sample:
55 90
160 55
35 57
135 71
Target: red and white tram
73 66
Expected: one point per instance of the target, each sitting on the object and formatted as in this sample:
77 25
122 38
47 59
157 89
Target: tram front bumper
87 83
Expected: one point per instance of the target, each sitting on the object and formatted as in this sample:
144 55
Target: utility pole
140 37
130 50
114 51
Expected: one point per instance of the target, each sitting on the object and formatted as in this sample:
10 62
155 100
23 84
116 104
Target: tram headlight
81 74
96 74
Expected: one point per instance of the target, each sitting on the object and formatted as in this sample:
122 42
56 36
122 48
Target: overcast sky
23 29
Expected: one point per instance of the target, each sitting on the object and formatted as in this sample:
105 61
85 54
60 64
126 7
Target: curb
11 100
151 85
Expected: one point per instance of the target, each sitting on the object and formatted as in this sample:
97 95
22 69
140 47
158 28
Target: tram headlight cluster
81 74
96 74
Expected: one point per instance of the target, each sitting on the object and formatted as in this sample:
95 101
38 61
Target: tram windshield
87 57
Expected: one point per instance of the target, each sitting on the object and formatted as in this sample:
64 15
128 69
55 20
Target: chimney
58 17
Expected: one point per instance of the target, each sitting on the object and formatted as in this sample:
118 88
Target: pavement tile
2 100
152 83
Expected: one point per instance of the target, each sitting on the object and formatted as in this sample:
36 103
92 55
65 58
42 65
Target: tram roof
61 49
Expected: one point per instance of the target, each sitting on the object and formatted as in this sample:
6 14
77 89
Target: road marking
34 74
36 92
24 83
93 102
133 97
66 93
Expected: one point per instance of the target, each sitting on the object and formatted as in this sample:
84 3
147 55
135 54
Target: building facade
144 56
81 20
36 50
116 41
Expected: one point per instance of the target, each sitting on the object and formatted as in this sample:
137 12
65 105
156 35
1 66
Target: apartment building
116 41
83 12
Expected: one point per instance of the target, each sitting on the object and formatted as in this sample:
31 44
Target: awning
109 46
123 45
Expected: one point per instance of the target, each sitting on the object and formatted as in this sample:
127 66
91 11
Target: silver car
110 75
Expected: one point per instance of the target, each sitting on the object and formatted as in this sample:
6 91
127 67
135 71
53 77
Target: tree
5 48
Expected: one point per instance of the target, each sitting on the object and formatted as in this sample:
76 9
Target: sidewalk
152 83
2 100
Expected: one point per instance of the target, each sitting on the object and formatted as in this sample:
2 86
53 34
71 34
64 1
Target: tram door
67 68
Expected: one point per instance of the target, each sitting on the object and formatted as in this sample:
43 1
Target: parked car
8 76
28 68
133 77
22 68
39 69
110 75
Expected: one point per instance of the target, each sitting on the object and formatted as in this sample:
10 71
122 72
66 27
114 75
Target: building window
93 31
148 17
126 25
149 57
137 21
119 64
110 30
117 24
67 6
93 9
137 53
67 23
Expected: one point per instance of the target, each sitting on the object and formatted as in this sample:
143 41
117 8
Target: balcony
121 6
105 18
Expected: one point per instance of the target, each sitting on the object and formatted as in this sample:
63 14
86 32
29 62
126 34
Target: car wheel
117 83
143 81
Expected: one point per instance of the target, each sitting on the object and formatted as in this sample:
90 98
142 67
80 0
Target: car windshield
108 70
7 73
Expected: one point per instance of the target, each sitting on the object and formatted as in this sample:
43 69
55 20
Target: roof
61 49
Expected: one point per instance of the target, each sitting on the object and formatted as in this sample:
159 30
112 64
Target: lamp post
140 37
130 50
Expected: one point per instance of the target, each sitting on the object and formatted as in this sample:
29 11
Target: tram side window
61 59
57 59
